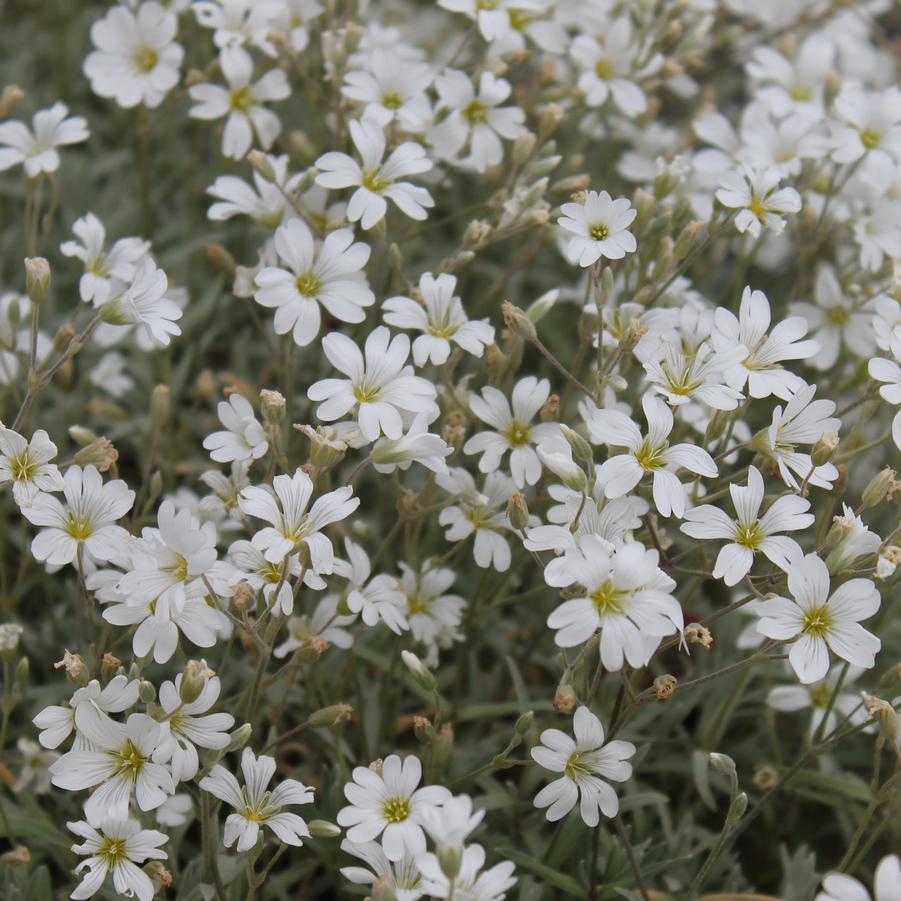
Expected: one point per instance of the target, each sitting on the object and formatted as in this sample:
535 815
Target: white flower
379 387
376 181
600 225
417 446
323 624
255 805
393 89
401 878
471 882
793 87
242 102
389 803
56 723
330 274
166 560
480 512
514 430
609 68
586 764
34 776
887 325
855 540
267 202
758 198
449 825
105 272
821 622
836 319
118 762
137 59
291 19
432 615
750 533
252 567
26 464
700 376
817 696
35 147
759 365
474 119
145 304
869 126
374 599
626 596
237 22
88 519
652 454
184 728
441 318
243 438
802 421
284 507
881 370
887 887
114 849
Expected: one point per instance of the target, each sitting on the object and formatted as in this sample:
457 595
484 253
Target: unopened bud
884 714
477 233
12 95
193 681
551 117
824 450
634 331
273 405
328 717
109 666
450 859
220 259
424 730
524 723
239 737
722 764
887 562
146 692
156 869
737 809
564 697
878 488
323 829
581 448
538 309
518 511
664 686
19 856
765 777
442 745
517 321
160 402
326 448
523 147
686 239
99 453
645 204
37 279
262 165
570 473
495 360
418 670
695 633
22 671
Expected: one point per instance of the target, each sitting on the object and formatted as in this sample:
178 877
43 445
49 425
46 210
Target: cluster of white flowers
543 290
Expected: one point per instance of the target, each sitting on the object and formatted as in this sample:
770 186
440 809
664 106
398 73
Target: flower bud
477 233
160 402
721 763
21 674
220 259
109 666
523 147
633 333
10 633
737 809
824 450
326 449
262 165
99 453
569 472
146 692
551 117
884 714
878 488
538 309
524 723
156 870
644 203
765 777
37 279
495 361
887 561
12 95
565 696
323 829
239 737
328 717
450 860
664 686
686 239
424 730
518 511
551 409
517 321
193 681
272 403
422 676
442 745
19 856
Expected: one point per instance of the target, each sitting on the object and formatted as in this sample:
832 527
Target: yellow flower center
392 100
79 527
475 112
820 694
837 315
576 766
870 138
607 598
22 468
800 92
756 206
817 622
396 810
129 761
146 59
309 284
517 434
373 181
418 604
519 18
241 99
598 231
113 850
651 456
178 569
749 535
604 69
366 393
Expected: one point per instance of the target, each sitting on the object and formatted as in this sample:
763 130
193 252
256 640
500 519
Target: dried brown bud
695 633
664 686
